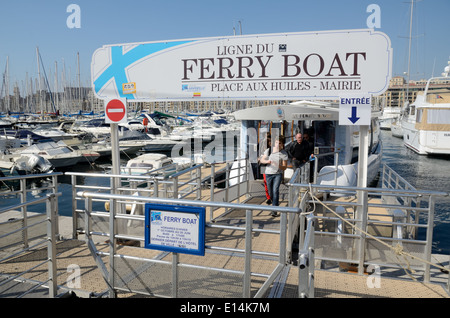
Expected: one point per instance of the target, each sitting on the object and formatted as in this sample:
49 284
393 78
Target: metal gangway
248 253
240 234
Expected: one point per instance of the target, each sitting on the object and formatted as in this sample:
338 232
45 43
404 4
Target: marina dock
217 274
154 181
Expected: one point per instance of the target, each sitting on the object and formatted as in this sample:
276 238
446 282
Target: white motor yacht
426 124
24 164
154 163
396 127
389 115
54 133
58 153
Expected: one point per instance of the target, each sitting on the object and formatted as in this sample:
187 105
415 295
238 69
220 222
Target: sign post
356 110
115 113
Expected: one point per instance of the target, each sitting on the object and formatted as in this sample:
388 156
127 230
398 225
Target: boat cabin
333 145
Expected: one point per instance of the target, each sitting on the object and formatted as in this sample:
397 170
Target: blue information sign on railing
175 228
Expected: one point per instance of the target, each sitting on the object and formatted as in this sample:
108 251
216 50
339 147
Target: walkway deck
155 278
196 283
328 284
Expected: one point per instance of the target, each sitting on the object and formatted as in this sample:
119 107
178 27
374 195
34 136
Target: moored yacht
154 163
58 154
426 124
390 115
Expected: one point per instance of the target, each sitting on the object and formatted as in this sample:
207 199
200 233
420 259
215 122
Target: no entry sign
115 110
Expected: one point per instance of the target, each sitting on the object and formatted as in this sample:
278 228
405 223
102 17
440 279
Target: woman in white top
276 163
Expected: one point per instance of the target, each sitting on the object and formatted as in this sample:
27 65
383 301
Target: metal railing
306 259
19 196
248 252
158 183
155 183
121 223
20 235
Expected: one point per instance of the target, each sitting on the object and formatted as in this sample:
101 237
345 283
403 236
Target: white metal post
362 196
51 246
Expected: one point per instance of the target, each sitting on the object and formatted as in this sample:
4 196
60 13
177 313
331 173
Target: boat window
438 116
419 115
141 165
154 131
324 138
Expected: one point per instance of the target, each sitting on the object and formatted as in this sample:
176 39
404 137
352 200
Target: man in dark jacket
298 151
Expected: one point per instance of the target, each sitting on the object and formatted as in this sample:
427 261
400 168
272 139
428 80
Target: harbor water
422 172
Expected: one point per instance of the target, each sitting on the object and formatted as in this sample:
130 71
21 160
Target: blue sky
26 24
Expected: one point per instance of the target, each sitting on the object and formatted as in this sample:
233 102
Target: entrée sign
269 66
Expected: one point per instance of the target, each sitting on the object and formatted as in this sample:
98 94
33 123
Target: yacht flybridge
335 146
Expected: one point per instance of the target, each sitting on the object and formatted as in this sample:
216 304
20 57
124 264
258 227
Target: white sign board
267 66
355 110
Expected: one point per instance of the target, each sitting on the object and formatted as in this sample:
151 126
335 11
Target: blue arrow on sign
354 119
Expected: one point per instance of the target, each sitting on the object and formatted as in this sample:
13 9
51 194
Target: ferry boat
335 146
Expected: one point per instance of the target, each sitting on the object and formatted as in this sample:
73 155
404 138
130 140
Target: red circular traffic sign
115 110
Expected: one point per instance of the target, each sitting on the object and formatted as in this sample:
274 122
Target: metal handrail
51 221
306 260
406 223
248 251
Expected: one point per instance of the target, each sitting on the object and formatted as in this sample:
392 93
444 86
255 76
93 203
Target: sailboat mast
79 82
7 85
56 87
39 82
409 51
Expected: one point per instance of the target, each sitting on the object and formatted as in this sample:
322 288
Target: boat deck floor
155 278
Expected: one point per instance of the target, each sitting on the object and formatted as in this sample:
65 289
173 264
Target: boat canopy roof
301 110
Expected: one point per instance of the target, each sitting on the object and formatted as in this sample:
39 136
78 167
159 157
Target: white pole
115 153
362 196
363 155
